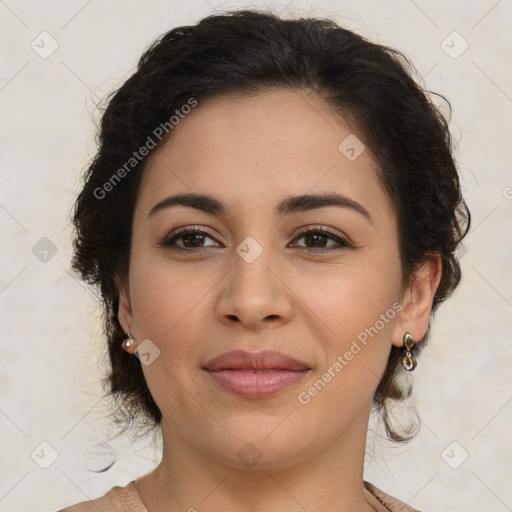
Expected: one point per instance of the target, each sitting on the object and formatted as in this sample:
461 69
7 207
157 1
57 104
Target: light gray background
51 341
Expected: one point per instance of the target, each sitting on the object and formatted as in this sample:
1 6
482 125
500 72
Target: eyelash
168 242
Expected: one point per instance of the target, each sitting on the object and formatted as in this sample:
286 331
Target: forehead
289 124
250 148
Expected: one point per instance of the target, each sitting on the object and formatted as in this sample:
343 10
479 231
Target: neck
188 479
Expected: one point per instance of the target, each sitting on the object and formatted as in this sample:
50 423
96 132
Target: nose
255 293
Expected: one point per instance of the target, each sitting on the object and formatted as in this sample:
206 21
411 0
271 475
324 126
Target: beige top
126 499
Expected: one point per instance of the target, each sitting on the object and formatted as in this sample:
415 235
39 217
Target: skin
252 152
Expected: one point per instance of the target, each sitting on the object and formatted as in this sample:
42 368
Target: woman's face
251 281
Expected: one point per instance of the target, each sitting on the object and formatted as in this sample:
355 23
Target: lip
264 360
255 374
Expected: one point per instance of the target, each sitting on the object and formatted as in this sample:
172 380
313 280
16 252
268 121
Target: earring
127 343
409 362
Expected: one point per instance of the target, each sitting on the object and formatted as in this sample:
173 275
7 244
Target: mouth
255 375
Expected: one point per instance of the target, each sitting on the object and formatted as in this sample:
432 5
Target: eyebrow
292 204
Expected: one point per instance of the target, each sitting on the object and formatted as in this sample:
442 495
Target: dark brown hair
246 52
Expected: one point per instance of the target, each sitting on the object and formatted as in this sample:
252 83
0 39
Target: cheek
362 317
166 300
359 305
167 306
349 299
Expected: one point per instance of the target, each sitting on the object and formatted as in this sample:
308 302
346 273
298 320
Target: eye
194 238
191 238
318 237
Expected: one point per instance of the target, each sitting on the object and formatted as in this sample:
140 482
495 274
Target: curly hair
245 52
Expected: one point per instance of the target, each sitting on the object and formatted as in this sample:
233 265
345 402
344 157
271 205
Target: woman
272 218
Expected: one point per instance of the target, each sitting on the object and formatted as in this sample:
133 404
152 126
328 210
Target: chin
263 443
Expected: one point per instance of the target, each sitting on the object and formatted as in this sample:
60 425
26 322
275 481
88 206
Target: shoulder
392 504
118 499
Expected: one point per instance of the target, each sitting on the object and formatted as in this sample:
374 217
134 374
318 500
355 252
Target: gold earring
128 344
409 362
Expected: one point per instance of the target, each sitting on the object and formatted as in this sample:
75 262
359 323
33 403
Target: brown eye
316 240
191 238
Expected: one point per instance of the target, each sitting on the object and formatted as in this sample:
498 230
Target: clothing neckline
376 494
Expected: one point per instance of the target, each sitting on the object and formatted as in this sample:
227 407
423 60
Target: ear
417 301
124 312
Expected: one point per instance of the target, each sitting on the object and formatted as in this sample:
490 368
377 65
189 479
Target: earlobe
417 301
129 344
